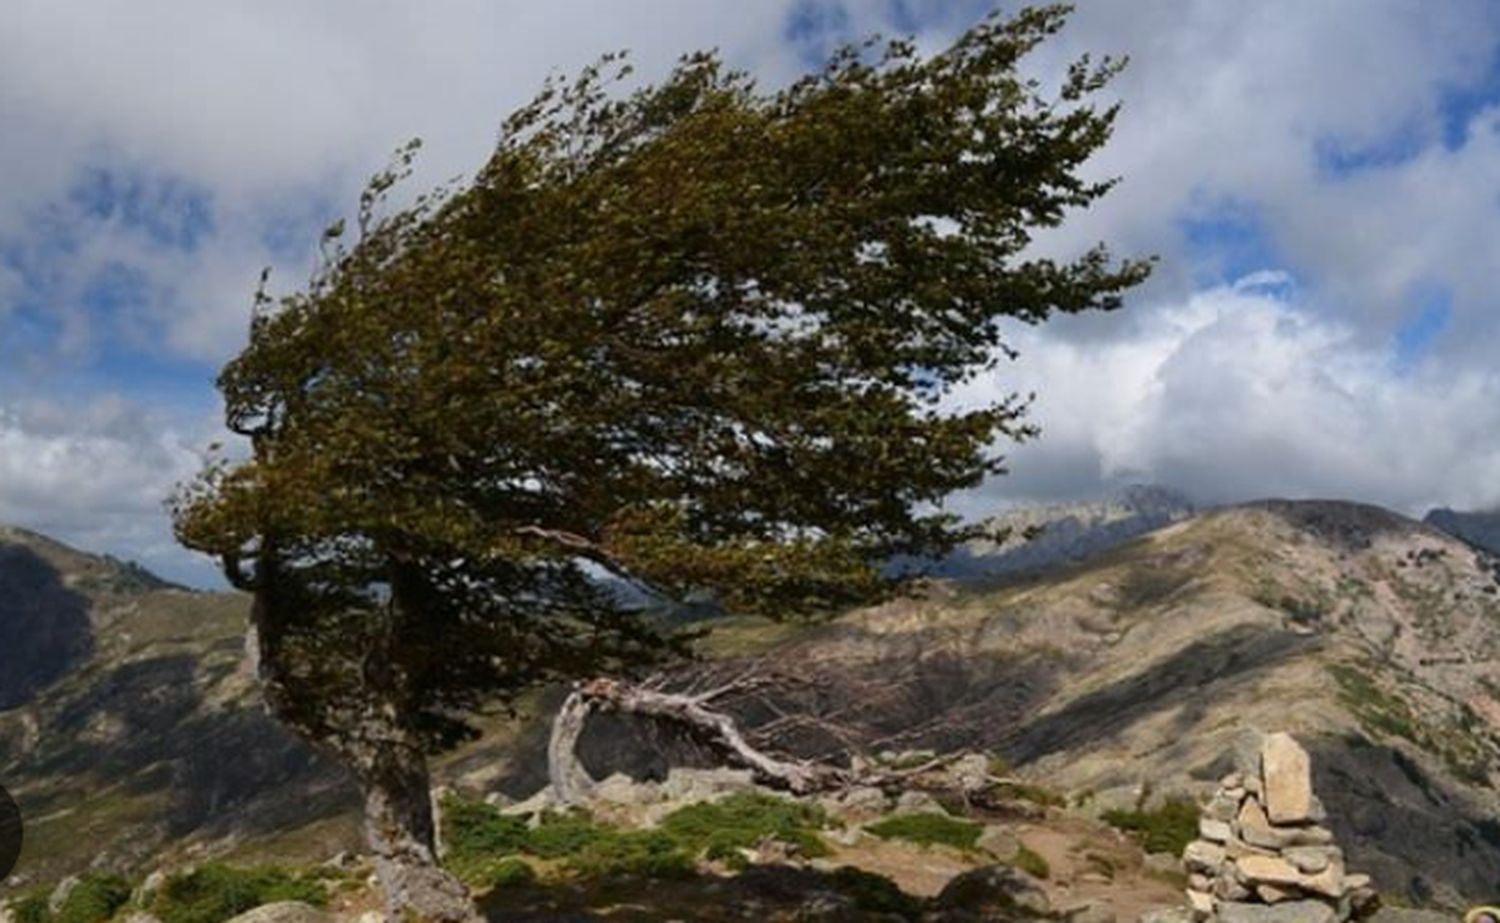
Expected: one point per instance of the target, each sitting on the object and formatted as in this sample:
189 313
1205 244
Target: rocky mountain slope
1482 529
1137 675
129 727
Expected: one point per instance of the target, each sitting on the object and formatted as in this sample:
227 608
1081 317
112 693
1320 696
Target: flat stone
1201 901
1288 912
1313 859
1269 870
1215 831
1226 888
282 912
1287 774
1203 856
1274 895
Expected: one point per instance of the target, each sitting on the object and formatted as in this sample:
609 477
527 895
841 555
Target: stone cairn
1263 855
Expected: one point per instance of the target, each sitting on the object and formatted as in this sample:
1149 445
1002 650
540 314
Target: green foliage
872 893
719 829
475 830
1031 862
699 336
511 873
560 835
214 893
1036 794
94 899
929 829
1169 828
636 854
31 907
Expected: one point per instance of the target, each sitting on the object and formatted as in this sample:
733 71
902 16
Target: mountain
1126 677
129 724
1038 537
1147 671
1482 530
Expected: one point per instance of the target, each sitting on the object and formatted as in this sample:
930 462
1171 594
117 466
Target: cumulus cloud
95 474
1242 391
158 154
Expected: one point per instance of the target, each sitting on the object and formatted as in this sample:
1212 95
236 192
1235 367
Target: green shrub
1168 829
512 873
473 830
214 893
31 907
720 829
640 853
929 829
562 835
872 893
1036 794
1031 862
94 899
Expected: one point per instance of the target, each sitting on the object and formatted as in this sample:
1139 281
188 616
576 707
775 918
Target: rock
971 771
1288 912
1275 871
692 785
1163 862
1201 902
283 912
914 802
1313 859
150 886
865 798
1287 775
498 800
996 890
621 789
1227 888
1215 831
1198 881
1167 915
998 842
1090 913
533 806
1205 857
140 917
60 893
1410 915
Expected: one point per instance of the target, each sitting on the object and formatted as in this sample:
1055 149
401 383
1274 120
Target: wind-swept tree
695 337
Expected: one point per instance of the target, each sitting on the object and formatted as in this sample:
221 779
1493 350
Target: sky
1319 180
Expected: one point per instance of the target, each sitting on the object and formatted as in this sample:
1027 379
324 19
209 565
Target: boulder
1287 912
283 912
1287 776
692 785
995 892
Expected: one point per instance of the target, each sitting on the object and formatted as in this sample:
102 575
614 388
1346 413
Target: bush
214 893
720 829
929 829
94 899
511 873
562 835
1168 829
475 830
643 853
31 907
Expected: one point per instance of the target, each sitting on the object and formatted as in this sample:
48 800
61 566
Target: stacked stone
1263 855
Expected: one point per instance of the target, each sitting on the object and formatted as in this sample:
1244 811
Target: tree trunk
399 830
390 767
570 782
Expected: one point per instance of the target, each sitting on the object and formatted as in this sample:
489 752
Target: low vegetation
929 829
213 893
1169 828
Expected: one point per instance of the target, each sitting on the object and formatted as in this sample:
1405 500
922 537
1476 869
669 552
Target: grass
214 893
929 830
483 844
1169 828
1031 862
95 898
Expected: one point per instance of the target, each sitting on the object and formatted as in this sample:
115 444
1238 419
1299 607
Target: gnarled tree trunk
399 830
571 783
390 767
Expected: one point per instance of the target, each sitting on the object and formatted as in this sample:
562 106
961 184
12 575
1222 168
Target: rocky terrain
1482 530
1118 686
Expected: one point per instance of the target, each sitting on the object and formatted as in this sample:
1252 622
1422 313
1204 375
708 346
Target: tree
696 337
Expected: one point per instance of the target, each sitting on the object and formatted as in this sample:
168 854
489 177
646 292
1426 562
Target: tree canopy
697 336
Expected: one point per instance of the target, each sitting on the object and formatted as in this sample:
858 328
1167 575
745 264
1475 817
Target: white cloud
1241 392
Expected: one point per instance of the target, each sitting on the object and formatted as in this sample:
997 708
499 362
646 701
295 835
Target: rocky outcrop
1263 856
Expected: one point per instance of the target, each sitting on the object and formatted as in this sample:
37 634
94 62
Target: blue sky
1320 180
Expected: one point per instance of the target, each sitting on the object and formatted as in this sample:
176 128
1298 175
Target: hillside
1131 677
